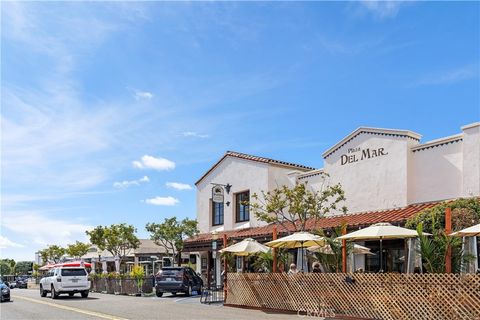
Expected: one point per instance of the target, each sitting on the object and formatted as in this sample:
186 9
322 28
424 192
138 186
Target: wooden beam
274 251
448 230
344 249
225 268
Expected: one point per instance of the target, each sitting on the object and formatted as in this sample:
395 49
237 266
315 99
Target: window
217 213
73 272
243 208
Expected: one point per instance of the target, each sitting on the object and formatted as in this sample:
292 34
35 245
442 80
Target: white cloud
141 95
7 243
125 184
162 201
450 76
178 186
382 9
195 134
149 162
41 230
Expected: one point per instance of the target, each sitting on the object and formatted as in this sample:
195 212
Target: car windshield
73 272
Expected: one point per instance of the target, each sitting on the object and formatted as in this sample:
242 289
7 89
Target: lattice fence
371 296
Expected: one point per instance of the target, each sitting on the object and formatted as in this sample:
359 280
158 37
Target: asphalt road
27 304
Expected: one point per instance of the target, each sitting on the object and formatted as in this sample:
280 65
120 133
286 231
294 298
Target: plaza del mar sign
359 154
217 194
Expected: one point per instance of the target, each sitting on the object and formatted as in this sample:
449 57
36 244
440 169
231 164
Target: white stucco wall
471 160
437 173
279 176
242 175
373 183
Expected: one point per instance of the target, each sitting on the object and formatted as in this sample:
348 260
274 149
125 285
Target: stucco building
387 175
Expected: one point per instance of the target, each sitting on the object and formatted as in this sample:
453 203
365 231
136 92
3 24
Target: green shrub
465 213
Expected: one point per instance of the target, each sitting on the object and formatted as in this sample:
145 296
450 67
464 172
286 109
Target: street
27 304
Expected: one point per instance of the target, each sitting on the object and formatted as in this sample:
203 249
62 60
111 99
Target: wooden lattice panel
373 296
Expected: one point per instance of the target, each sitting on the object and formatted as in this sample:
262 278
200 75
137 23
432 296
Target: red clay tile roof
397 215
254 158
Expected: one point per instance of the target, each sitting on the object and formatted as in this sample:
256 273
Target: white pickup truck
65 280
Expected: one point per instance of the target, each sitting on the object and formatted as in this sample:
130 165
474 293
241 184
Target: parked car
65 280
177 279
21 282
5 291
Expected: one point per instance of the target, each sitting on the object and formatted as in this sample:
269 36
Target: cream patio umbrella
357 249
468 232
469 246
381 231
297 240
245 247
327 249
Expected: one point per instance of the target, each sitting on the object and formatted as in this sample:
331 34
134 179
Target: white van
65 280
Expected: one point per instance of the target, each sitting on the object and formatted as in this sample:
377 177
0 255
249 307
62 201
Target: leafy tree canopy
23 267
52 253
118 239
172 233
78 249
294 206
465 213
5 268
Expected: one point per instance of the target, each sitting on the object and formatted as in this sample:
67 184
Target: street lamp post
214 252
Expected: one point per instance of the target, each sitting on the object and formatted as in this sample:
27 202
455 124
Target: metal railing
213 294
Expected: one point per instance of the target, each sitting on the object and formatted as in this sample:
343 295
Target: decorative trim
256 159
310 174
376 131
438 142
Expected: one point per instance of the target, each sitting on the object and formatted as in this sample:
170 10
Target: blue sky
103 104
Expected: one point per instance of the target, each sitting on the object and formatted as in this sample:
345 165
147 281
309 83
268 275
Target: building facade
387 175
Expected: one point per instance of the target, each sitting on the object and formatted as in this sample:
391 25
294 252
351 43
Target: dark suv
22 282
177 279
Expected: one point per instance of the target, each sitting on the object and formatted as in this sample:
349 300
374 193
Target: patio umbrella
47 267
297 240
469 245
381 231
357 249
468 232
246 247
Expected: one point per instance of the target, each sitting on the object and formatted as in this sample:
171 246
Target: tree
292 207
172 233
23 267
465 213
118 239
52 253
5 268
434 251
333 260
77 250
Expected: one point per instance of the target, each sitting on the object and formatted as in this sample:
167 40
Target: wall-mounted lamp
228 203
228 187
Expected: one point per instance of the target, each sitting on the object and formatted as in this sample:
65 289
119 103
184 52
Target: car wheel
188 293
84 294
53 293
71 294
173 293
43 293
159 294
